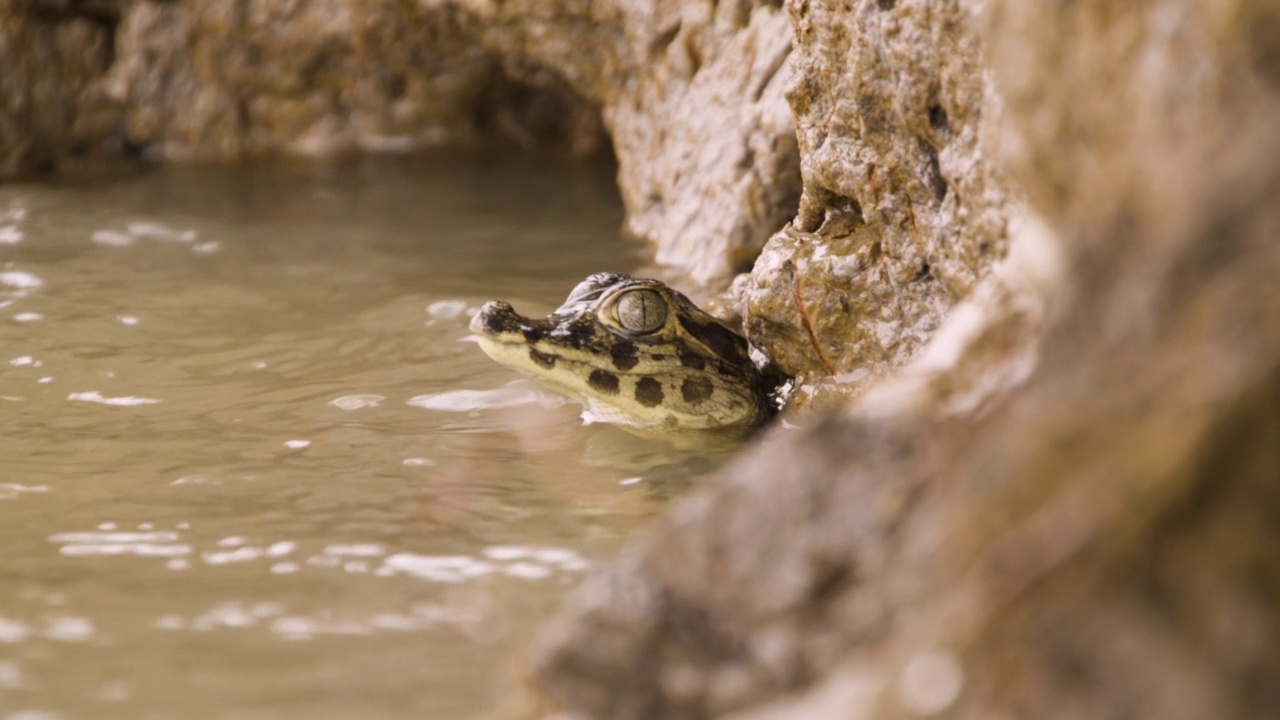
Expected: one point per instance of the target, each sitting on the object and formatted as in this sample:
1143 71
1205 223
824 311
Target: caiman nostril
494 317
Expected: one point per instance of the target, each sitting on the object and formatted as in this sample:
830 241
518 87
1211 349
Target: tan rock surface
225 79
1097 543
692 96
904 206
54 112
691 93
222 79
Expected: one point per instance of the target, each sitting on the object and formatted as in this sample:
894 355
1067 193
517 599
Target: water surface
251 466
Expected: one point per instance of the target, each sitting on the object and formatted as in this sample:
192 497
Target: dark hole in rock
843 216
829 581
1263 41
695 54
933 172
664 39
541 115
938 119
397 86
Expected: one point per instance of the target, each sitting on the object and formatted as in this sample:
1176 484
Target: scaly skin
634 352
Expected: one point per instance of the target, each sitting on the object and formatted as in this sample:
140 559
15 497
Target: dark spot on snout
696 390
692 360
604 382
649 392
493 323
722 341
577 333
497 317
546 360
625 356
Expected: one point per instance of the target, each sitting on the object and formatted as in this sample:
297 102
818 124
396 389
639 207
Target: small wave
94 396
68 628
150 544
156 231
20 280
8 491
357 550
563 558
437 568
357 402
447 309
525 563
146 231
114 537
472 400
111 238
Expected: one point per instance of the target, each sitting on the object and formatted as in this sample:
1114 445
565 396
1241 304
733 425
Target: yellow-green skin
634 352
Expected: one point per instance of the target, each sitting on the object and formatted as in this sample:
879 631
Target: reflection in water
467 401
97 397
254 467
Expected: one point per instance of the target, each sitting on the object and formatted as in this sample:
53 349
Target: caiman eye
641 311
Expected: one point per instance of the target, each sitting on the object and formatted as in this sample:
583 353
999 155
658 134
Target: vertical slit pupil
641 311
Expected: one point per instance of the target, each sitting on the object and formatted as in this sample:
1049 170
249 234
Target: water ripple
8 491
111 238
20 280
297 626
10 233
472 400
141 544
447 309
517 562
513 561
142 230
357 402
94 396
69 628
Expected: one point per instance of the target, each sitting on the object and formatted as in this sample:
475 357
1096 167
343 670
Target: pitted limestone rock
904 208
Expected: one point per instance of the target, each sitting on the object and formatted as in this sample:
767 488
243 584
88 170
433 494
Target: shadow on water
252 466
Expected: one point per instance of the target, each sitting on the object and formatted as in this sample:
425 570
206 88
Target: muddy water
250 465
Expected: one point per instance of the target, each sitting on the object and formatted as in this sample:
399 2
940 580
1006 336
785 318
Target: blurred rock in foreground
1101 542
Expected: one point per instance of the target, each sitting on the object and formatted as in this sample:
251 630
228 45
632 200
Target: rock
904 206
224 80
209 78
1095 541
54 55
691 94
